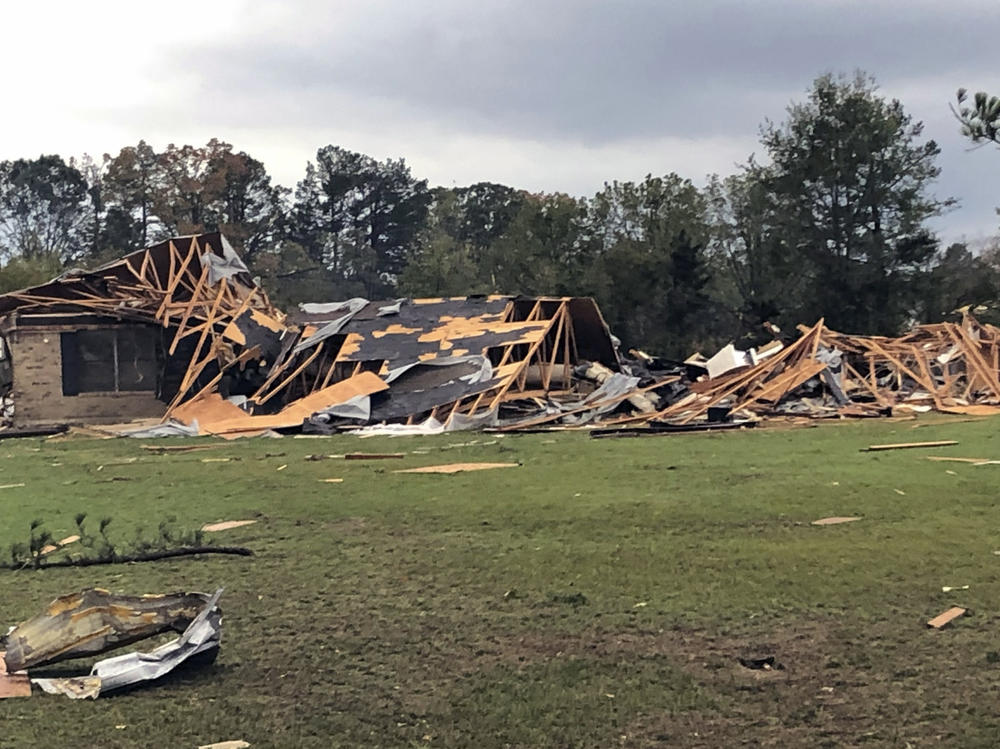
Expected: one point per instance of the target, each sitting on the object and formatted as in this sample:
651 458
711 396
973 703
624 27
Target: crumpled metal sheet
202 635
172 428
227 266
94 621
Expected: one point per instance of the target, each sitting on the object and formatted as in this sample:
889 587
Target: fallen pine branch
152 556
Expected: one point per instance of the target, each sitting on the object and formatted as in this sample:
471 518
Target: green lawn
598 595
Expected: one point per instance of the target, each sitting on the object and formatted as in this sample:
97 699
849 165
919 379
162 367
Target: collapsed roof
451 360
234 365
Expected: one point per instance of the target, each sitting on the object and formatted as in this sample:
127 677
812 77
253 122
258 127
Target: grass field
598 595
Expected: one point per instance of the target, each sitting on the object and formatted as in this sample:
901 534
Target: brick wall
38 395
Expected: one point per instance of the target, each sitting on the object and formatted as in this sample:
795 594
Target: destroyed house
115 343
180 330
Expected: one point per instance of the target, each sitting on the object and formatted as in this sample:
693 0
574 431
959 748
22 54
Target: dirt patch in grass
833 684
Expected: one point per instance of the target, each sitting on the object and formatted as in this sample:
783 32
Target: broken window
108 361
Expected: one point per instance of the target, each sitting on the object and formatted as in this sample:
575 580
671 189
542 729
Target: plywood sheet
364 383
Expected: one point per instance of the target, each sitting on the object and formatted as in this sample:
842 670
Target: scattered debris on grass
768 663
373 456
11 486
238 744
49 548
950 588
332 481
946 617
457 467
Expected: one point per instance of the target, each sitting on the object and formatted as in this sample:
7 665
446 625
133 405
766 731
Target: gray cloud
595 71
559 94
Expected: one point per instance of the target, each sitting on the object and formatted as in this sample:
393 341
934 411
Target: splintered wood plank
908 445
946 617
188 309
284 383
226 525
834 520
948 459
457 467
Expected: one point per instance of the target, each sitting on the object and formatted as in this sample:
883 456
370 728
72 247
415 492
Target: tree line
832 223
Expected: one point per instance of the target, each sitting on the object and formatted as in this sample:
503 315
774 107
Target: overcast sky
549 95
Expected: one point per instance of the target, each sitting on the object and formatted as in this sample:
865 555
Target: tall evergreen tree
850 179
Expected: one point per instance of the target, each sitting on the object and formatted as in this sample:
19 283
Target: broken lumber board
946 617
908 445
296 412
181 448
949 459
42 431
456 467
656 429
373 456
834 520
226 525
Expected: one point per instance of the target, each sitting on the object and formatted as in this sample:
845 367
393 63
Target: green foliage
42 209
957 278
849 182
100 547
21 272
650 273
359 217
980 121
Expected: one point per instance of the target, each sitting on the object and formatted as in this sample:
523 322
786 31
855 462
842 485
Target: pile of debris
948 367
94 621
182 333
